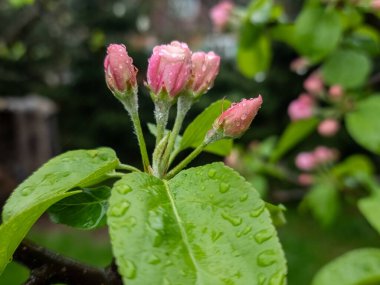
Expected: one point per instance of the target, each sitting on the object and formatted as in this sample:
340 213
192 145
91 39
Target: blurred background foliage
55 48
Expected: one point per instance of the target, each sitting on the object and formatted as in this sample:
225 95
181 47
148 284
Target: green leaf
347 68
323 202
294 133
259 11
205 226
46 186
16 227
317 31
363 123
369 207
198 128
78 168
254 50
284 33
354 165
86 210
360 266
20 3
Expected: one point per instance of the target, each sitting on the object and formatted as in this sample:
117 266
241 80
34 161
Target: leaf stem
186 161
128 167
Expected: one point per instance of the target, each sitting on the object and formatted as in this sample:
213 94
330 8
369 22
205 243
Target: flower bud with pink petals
205 68
375 5
336 92
323 154
328 127
314 83
221 13
305 161
237 119
300 65
305 179
119 70
301 108
169 69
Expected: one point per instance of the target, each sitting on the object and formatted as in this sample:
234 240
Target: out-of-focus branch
47 267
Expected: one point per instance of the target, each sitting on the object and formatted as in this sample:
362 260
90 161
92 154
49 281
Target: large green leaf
369 207
317 31
46 186
205 226
60 174
357 267
363 124
335 70
254 50
323 202
15 229
293 134
198 128
86 210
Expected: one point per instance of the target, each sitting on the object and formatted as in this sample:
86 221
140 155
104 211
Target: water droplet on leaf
277 279
123 189
127 268
211 173
120 208
244 197
263 235
224 187
153 259
257 211
26 191
266 258
234 220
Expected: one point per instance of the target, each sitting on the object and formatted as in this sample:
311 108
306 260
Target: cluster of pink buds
328 127
314 83
220 14
302 107
321 155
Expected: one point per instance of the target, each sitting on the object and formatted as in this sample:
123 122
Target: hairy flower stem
131 105
183 106
128 167
161 113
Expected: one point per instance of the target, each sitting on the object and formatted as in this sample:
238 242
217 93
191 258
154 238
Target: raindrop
123 189
266 258
262 279
277 279
166 282
157 239
263 235
120 208
224 187
244 197
211 173
211 196
239 234
153 259
244 116
257 211
128 268
92 153
26 190
235 221
215 235
247 230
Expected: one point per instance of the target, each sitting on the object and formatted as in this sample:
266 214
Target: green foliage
369 207
323 202
198 128
317 31
294 133
158 239
347 68
360 266
363 123
86 210
46 186
20 3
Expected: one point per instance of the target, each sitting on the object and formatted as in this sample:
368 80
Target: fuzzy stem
161 114
131 105
183 106
128 167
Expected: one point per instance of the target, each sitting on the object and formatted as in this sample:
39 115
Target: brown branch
47 267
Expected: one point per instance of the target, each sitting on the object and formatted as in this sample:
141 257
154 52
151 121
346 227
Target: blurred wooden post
28 138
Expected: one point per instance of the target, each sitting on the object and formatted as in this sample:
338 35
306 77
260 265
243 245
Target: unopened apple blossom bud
236 120
301 108
305 161
300 65
221 13
336 92
232 160
119 70
205 67
323 154
375 5
169 69
314 83
328 127
305 179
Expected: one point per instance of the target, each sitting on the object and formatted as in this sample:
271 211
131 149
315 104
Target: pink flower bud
205 67
221 13
305 161
336 92
314 83
375 5
328 127
237 119
324 154
305 179
169 68
300 65
119 69
301 108
232 159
